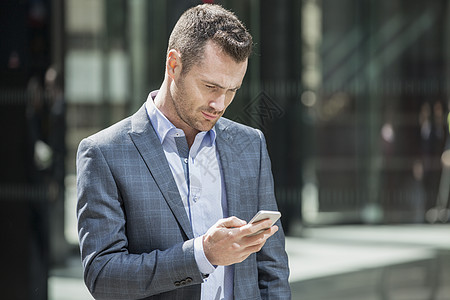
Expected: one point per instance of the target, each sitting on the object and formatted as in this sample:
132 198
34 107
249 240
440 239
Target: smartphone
265 214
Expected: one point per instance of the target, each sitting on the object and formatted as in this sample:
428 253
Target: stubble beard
187 114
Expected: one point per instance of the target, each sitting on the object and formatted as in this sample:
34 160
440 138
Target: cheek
229 98
197 95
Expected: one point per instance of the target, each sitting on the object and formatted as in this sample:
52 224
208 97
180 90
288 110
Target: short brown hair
207 22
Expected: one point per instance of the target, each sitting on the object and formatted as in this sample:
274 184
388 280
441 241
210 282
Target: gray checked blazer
135 238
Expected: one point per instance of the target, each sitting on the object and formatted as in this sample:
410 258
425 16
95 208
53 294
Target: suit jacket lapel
150 148
230 166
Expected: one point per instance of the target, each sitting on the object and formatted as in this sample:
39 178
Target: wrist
204 265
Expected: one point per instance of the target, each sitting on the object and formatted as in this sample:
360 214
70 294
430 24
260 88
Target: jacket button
177 283
183 282
188 280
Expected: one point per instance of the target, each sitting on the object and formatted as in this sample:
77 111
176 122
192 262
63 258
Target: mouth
209 116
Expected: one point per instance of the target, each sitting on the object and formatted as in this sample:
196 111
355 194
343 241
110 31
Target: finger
254 248
274 229
267 233
254 228
232 222
259 237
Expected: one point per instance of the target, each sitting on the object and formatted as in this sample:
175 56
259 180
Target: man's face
201 95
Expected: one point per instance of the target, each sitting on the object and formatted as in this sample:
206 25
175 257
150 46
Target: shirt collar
163 126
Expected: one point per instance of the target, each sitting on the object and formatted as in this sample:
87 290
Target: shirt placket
195 191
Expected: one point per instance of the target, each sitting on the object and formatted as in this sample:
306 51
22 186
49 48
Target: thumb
232 222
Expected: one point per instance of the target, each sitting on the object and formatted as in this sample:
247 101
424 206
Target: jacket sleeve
272 260
110 271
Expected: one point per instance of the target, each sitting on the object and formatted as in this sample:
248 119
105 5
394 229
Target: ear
173 63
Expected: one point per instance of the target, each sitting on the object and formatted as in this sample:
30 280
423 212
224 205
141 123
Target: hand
228 241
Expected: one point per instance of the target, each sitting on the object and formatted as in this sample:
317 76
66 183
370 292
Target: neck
164 102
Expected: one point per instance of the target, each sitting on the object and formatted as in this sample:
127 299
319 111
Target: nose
218 104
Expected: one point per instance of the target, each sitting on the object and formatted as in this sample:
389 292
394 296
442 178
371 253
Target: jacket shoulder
238 128
116 133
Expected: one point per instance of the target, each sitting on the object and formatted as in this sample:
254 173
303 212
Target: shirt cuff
203 263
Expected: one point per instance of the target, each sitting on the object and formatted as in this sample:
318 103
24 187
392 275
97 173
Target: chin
207 127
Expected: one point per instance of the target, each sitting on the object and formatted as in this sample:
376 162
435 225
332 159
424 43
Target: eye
233 91
209 86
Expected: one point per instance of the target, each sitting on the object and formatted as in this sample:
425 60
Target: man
164 195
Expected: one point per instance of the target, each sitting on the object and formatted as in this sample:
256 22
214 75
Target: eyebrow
219 86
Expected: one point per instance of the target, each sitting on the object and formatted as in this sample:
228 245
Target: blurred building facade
352 95
32 116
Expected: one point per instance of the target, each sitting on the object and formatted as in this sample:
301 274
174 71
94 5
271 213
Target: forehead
218 67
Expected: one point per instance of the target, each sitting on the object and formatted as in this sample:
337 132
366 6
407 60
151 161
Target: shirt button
185 160
195 199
